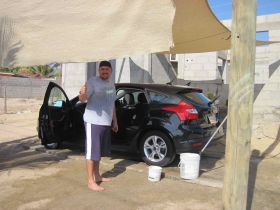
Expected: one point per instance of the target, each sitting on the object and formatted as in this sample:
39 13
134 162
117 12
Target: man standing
99 117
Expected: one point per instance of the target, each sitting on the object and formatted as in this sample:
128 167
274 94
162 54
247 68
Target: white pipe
216 131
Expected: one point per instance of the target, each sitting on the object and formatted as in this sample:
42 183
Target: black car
156 121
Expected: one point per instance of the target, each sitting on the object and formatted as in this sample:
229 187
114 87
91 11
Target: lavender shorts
98 141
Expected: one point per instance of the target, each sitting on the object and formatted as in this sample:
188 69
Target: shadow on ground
256 159
121 166
28 152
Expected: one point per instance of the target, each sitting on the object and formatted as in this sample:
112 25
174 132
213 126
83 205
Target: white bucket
189 165
154 173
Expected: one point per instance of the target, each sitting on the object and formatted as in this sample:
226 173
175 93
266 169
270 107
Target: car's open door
54 116
130 115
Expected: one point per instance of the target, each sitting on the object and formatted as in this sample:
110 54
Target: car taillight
184 111
199 144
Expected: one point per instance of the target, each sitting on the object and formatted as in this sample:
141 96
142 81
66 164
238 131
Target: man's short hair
105 63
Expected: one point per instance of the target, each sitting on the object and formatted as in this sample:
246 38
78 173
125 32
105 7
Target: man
99 117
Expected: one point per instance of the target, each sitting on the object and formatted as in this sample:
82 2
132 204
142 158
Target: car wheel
157 149
54 145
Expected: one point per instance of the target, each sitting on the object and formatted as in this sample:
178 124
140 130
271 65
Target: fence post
31 92
5 99
30 85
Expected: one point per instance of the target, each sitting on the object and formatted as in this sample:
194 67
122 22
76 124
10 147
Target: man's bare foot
95 187
102 179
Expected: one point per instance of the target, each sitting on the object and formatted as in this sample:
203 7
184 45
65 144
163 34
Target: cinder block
195 66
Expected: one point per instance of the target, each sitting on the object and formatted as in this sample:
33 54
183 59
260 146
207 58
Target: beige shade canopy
40 32
196 29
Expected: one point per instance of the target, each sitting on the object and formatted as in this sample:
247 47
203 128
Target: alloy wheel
155 148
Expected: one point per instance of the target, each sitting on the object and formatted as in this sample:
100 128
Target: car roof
159 87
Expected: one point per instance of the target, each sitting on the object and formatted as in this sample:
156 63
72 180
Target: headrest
142 98
129 98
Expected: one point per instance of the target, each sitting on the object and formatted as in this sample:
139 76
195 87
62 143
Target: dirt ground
32 177
20 121
19 105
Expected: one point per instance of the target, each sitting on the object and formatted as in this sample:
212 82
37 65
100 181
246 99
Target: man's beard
105 77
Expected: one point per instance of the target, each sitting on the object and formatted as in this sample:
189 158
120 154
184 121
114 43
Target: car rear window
160 98
196 97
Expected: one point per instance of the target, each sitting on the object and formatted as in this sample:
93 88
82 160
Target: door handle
130 107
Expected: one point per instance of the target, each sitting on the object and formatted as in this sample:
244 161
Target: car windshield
196 97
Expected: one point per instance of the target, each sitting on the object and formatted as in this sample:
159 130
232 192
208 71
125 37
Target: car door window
57 98
128 97
120 101
160 98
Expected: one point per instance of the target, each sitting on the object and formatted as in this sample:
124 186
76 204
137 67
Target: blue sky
223 11
223 8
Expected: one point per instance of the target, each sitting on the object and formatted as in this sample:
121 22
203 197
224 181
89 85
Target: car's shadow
29 153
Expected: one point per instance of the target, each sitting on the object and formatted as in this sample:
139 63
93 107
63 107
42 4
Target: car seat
142 98
129 98
141 109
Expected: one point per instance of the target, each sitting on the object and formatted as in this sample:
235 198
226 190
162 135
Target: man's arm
83 93
115 121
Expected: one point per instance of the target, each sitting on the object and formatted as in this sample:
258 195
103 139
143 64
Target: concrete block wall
267 105
150 68
266 122
133 69
198 66
161 69
262 64
23 87
122 74
264 54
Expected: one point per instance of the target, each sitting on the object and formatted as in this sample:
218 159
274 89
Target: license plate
212 118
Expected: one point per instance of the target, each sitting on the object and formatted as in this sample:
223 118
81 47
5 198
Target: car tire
157 149
54 145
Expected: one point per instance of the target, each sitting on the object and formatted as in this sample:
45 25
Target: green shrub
211 96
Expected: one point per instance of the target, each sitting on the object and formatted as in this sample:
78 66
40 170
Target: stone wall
267 105
17 87
198 66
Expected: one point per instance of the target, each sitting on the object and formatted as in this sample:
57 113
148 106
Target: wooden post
240 108
5 99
